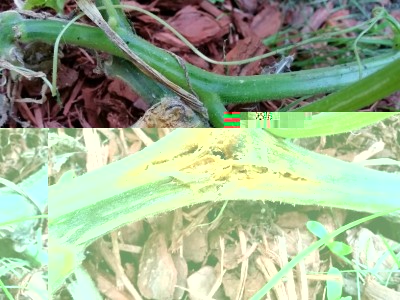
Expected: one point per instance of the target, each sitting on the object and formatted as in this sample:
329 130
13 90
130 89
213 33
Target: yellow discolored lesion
63 259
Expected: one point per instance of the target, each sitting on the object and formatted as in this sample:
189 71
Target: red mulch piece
236 27
273 15
249 6
197 26
6 5
318 18
175 5
249 47
337 19
396 14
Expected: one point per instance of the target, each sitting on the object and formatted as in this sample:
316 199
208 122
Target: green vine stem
241 89
374 87
150 90
181 170
382 13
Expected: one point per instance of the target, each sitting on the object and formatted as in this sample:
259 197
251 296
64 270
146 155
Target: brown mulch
234 30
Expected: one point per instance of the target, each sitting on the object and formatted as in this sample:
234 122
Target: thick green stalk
230 89
147 88
368 90
186 168
150 90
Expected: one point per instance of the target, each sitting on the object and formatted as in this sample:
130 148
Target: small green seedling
337 248
334 287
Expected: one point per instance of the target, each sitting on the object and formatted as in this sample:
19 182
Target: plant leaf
57 5
334 287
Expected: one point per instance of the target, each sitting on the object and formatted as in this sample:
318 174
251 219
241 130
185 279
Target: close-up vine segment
158 75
